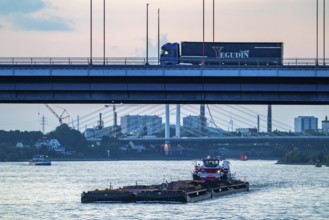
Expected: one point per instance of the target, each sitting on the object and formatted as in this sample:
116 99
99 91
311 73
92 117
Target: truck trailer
222 53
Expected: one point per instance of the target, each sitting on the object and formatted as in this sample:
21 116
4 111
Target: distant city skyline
49 28
29 116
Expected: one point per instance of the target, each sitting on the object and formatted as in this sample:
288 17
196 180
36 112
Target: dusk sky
60 28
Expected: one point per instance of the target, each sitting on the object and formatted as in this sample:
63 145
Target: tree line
76 145
298 156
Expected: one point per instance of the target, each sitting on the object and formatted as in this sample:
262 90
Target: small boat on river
40 160
211 179
243 157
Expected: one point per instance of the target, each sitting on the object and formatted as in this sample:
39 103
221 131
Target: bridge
122 80
246 140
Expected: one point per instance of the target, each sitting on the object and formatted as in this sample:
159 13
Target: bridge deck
33 83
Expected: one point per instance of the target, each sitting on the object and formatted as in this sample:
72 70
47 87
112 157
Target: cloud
21 6
31 15
153 47
32 23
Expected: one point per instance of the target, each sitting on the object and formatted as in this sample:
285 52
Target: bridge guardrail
49 61
128 61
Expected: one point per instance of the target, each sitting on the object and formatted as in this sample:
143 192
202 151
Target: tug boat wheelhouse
212 169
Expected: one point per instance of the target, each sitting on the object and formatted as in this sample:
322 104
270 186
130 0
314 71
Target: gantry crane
59 117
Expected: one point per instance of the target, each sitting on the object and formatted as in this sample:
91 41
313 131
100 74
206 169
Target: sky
61 28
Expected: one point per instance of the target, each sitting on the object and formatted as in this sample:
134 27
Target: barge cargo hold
176 191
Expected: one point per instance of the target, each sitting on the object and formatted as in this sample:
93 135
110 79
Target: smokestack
258 127
202 120
115 123
178 120
269 118
43 122
100 122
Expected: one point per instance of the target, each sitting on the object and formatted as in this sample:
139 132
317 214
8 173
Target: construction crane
59 117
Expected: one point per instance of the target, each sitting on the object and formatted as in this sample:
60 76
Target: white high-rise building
138 124
192 122
306 123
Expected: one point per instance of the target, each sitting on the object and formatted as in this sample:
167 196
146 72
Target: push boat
212 169
211 179
40 160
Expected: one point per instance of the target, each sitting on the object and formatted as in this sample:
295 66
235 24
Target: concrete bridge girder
159 85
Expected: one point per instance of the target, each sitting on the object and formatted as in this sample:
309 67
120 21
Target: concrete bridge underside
158 85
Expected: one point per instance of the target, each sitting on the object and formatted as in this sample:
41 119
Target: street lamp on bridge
324 32
91 32
104 16
203 30
213 20
147 34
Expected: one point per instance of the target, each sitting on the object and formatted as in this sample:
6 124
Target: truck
222 53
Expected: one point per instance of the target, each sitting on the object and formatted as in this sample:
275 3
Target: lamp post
104 32
317 33
324 32
158 36
203 29
91 32
213 20
147 34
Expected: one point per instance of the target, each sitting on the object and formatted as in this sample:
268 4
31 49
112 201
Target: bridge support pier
167 131
178 120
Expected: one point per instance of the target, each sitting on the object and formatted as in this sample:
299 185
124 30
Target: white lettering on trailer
242 54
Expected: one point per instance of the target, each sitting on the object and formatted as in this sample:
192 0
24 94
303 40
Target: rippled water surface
53 192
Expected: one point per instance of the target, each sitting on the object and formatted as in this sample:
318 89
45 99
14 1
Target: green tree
27 138
327 158
9 152
295 156
3 151
109 143
70 138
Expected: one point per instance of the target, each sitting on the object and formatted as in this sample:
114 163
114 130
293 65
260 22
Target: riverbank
299 163
153 157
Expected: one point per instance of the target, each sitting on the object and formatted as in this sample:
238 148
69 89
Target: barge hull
224 191
163 195
90 197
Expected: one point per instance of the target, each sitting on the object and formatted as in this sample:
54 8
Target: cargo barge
210 180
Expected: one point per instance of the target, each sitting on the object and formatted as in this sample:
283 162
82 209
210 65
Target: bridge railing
126 61
76 61
305 62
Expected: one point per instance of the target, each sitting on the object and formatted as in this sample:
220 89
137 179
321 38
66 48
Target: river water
53 192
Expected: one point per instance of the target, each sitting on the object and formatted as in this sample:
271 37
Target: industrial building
325 126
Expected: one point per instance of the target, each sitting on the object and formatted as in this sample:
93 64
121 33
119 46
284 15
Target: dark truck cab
222 53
